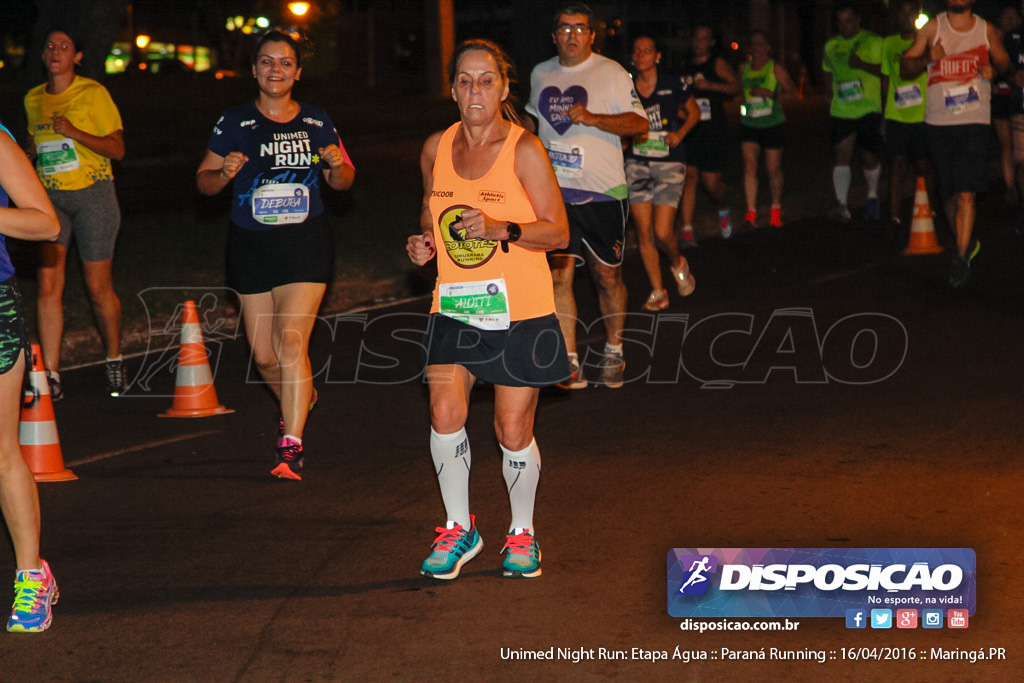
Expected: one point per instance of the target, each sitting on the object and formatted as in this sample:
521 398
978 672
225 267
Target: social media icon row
905 618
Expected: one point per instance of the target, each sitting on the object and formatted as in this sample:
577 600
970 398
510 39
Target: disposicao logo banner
817 582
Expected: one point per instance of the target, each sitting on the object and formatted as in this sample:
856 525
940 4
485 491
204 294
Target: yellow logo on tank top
465 252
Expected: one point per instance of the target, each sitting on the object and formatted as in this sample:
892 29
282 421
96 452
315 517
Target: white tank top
956 93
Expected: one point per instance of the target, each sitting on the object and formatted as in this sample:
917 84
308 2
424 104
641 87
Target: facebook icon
856 618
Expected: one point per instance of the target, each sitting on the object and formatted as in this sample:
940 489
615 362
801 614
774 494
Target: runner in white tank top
957 92
962 53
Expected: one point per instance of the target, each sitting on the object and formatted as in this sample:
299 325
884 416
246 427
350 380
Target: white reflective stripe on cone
193 375
39 381
191 333
38 433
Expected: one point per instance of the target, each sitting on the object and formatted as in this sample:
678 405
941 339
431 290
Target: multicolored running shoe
657 301
289 460
522 555
684 280
280 418
576 378
725 223
35 592
453 548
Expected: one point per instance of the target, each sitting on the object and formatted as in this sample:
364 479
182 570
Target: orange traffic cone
922 227
37 431
194 395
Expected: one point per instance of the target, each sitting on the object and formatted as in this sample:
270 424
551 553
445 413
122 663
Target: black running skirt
531 353
259 260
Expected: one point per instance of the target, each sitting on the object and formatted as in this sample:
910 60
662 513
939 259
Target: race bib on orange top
482 304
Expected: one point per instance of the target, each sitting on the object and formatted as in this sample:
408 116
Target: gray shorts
655 182
92 216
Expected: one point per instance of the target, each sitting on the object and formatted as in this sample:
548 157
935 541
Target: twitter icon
881 618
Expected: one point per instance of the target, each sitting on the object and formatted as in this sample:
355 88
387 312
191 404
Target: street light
142 40
299 9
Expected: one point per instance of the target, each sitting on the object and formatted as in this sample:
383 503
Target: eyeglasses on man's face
567 29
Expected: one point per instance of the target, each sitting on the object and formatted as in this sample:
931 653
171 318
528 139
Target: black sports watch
514 231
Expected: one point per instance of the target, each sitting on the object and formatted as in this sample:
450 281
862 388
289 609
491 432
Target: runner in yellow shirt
75 131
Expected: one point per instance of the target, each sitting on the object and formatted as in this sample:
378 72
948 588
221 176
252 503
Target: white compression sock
872 177
522 474
451 456
841 179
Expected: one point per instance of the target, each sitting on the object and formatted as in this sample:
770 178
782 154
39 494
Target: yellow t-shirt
63 164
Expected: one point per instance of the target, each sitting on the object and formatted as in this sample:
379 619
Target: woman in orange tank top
491 208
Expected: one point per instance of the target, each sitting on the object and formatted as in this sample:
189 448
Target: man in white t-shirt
583 104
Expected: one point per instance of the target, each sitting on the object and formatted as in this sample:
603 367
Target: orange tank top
499 194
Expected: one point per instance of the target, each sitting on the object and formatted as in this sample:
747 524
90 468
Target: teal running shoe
35 591
522 555
453 548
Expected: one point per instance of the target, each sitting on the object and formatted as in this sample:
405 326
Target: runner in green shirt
764 82
852 62
905 131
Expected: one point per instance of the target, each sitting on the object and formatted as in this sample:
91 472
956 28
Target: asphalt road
180 559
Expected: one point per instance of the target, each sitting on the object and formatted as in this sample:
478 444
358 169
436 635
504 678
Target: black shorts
601 226
707 147
867 128
259 260
960 157
907 140
13 338
531 353
773 137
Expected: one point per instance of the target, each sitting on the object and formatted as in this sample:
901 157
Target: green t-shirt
855 93
760 112
905 99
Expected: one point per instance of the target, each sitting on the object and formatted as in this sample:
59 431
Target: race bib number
566 159
482 304
758 107
280 203
962 98
57 156
654 145
907 96
705 108
850 91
